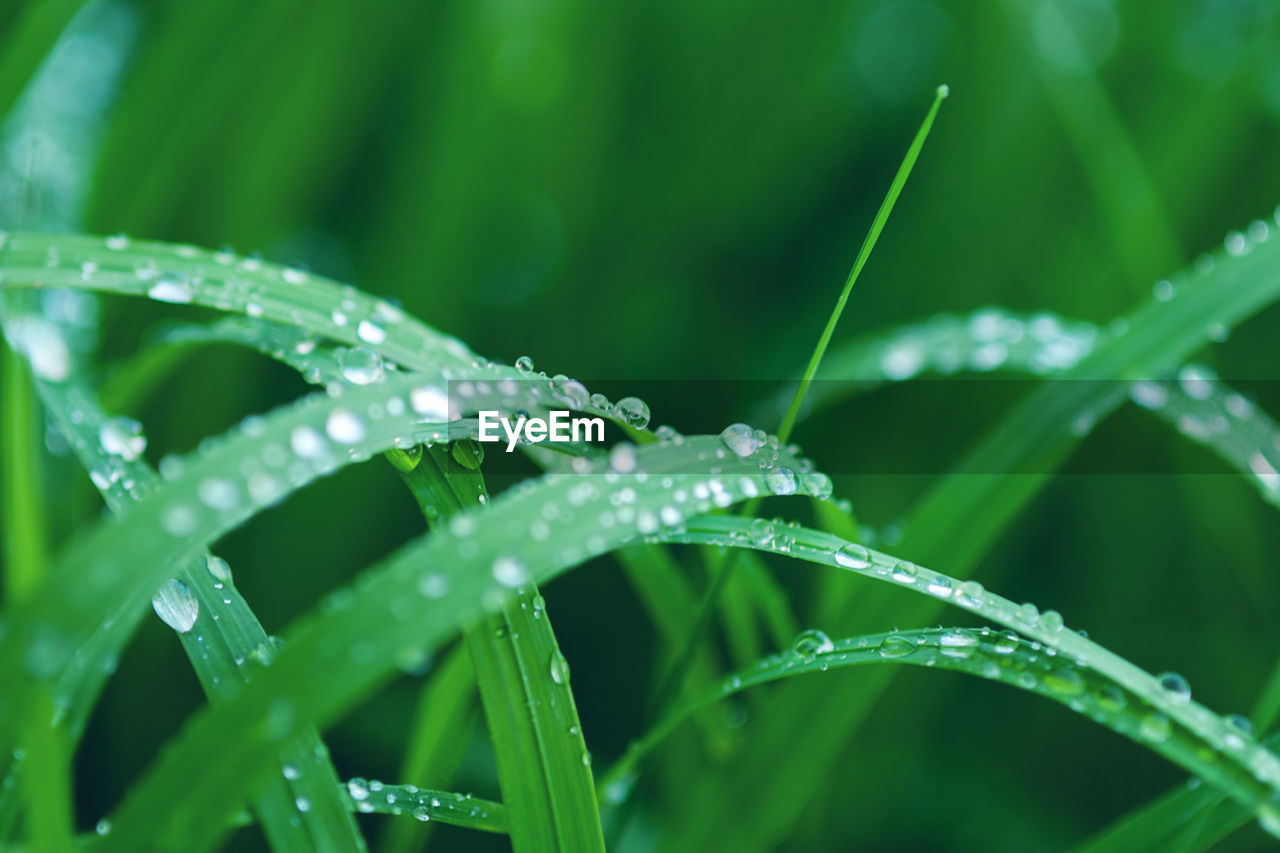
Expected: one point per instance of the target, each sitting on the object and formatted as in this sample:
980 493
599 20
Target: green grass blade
445 718
23 499
426 805
315 677
543 764
47 785
868 243
224 653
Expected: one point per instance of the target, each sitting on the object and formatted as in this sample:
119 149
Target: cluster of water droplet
370 796
1205 410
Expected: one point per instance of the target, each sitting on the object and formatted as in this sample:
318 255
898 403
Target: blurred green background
656 191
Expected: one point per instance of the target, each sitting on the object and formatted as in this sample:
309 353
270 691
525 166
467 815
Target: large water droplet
781 481
811 643
894 646
510 572
360 365
172 287
1065 682
635 411
219 569
1154 728
559 668
176 605
524 364
853 556
122 437
370 332
741 439
1175 686
344 427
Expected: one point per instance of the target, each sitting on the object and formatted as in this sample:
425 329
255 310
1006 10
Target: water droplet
524 364
122 437
1051 621
172 287
970 594
422 814
1154 728
292 772
358 789
622 457
1065 682
572 393
510 572
811 643
904 572
176 605
635 411
817 484
303 804
957 643
559 668
1240 723
370 332
1175 686
894 646
939 586
306 442
219 569
344 427
853 556
360 365
431 403
781 481
741 439
102 827
117 242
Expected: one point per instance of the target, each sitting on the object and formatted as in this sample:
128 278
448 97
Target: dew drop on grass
370 332
358 789
510 572
344 427
219 569
559 668
291 772
1065 682
1175 686
904 572
811 643
853 556
1154 728
524 364
761 531
430 402
939 586
422 814
781 481
360 365
817 484
172 287
306 442
896 647
1051 621
622 457
176 606
303 804
102 827
741 439
635 411
571 392
117 242
122 437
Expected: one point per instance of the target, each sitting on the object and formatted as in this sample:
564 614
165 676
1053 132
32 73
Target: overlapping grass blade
961 518
413 601
523 677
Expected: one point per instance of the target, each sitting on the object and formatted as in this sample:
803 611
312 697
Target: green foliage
637 193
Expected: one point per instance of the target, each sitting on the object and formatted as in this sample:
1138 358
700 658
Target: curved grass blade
412 602
228 646
959 520
1253 774
426 804
1002 656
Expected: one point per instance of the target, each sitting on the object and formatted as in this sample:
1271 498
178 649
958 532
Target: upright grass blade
675 680
445 718
30 39
23 497
543 765
868 243
47 785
